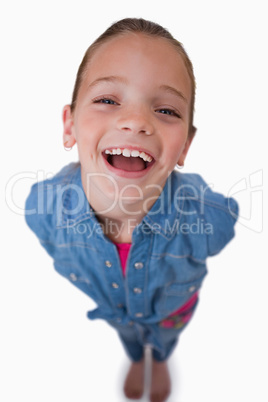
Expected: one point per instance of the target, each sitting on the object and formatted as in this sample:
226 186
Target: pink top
123 250
180 316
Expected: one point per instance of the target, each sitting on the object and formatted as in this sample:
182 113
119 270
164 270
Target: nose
135 122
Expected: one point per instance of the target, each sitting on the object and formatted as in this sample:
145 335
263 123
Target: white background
49 350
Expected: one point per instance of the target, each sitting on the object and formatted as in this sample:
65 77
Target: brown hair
136 25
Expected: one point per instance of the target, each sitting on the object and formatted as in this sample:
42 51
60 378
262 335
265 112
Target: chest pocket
73 274
176 294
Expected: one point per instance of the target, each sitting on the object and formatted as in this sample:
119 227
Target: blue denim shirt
167 259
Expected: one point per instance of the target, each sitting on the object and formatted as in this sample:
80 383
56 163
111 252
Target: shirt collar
166 212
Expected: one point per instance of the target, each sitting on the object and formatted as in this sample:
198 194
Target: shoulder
40 206
207 208
66 175
199 194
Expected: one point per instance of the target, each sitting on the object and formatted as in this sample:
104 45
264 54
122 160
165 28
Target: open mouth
130 160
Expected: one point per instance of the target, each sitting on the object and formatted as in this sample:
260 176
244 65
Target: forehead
139 55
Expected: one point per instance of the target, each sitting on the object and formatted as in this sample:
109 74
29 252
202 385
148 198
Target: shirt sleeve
221 214
38 216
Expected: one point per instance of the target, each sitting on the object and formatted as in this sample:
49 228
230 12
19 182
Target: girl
122 224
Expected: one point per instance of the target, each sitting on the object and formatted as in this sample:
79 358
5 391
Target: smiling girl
131 117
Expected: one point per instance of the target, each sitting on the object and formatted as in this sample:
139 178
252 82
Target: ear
188 142
68 127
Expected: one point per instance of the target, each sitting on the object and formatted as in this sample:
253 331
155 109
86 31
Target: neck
119 217
118 220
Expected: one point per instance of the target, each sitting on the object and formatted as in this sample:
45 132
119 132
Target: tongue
130 164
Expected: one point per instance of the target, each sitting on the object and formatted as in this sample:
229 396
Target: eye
106 101
169 112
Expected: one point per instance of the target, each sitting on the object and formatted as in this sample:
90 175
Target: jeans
135 337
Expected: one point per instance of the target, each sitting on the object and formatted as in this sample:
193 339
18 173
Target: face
131 119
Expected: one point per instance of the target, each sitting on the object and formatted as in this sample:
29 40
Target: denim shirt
167 260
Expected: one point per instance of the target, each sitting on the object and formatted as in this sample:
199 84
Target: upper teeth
127 153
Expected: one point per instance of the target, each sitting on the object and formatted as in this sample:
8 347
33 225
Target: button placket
113 278
136 280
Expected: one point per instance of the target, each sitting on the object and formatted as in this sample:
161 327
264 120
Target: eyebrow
117 79
111 78
174 91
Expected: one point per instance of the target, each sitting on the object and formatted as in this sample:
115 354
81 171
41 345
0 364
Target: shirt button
120 305
139 315
192 289
137 290
115 285
73 277
130 323
138 265
108 264
119 319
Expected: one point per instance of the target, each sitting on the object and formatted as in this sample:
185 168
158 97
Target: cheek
86 131
174 147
